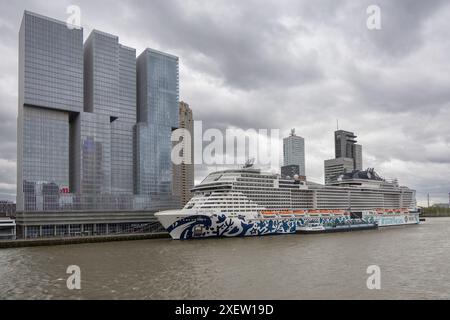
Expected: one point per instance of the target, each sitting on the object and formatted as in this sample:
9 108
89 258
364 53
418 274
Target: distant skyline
287 64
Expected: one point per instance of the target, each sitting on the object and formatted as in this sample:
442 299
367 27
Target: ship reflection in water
413 261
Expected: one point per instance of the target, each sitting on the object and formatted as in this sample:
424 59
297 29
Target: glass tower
77 111
109 115
88 137
50 92
294 152
346 147
157 103
81 138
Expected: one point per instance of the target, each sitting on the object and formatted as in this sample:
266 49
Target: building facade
335 167
183 174
357 157
50 94
7 208
157 116
7 229
106 127
346 147
292 171
82 136
348 156
294 152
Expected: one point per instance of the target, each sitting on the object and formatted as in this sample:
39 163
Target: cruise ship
249 202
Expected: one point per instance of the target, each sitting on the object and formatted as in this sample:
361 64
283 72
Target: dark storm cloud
243 43
284 64
403 21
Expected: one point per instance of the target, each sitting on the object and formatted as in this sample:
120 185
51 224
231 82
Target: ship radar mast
249 163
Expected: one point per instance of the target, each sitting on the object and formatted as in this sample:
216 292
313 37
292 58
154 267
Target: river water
414 263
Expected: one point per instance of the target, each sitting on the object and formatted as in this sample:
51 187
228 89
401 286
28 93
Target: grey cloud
247 47
402 21
8 124
284 64
399 91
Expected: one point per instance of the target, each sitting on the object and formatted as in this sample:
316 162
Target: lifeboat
285 213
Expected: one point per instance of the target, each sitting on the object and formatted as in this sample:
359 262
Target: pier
83 239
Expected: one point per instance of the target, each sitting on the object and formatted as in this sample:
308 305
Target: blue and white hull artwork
386 220
249 202
183 225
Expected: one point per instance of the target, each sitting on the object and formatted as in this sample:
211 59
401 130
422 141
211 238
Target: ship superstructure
247 201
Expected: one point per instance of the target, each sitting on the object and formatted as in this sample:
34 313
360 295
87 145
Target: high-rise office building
335 167
50 94
348 156
157 107
77 109
346 147
81 132
294 153
357 157
106 144
183 174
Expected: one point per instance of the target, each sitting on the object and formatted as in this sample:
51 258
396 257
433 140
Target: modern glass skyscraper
50 92
157 104
77 116
110 115
346 147
294 152
82 136
348 156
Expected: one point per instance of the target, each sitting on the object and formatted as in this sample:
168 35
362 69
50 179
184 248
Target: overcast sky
284 64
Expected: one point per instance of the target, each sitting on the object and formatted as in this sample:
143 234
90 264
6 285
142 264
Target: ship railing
301 213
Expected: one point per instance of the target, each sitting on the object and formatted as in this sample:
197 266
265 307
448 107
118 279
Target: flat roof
161 53
26 12
104 34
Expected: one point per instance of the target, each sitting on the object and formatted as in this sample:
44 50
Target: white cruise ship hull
397 220
182 224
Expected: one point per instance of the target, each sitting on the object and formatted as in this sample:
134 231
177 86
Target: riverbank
77 240
434 212
435 215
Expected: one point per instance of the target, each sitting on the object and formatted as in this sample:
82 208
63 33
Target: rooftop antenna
293 132
337 124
